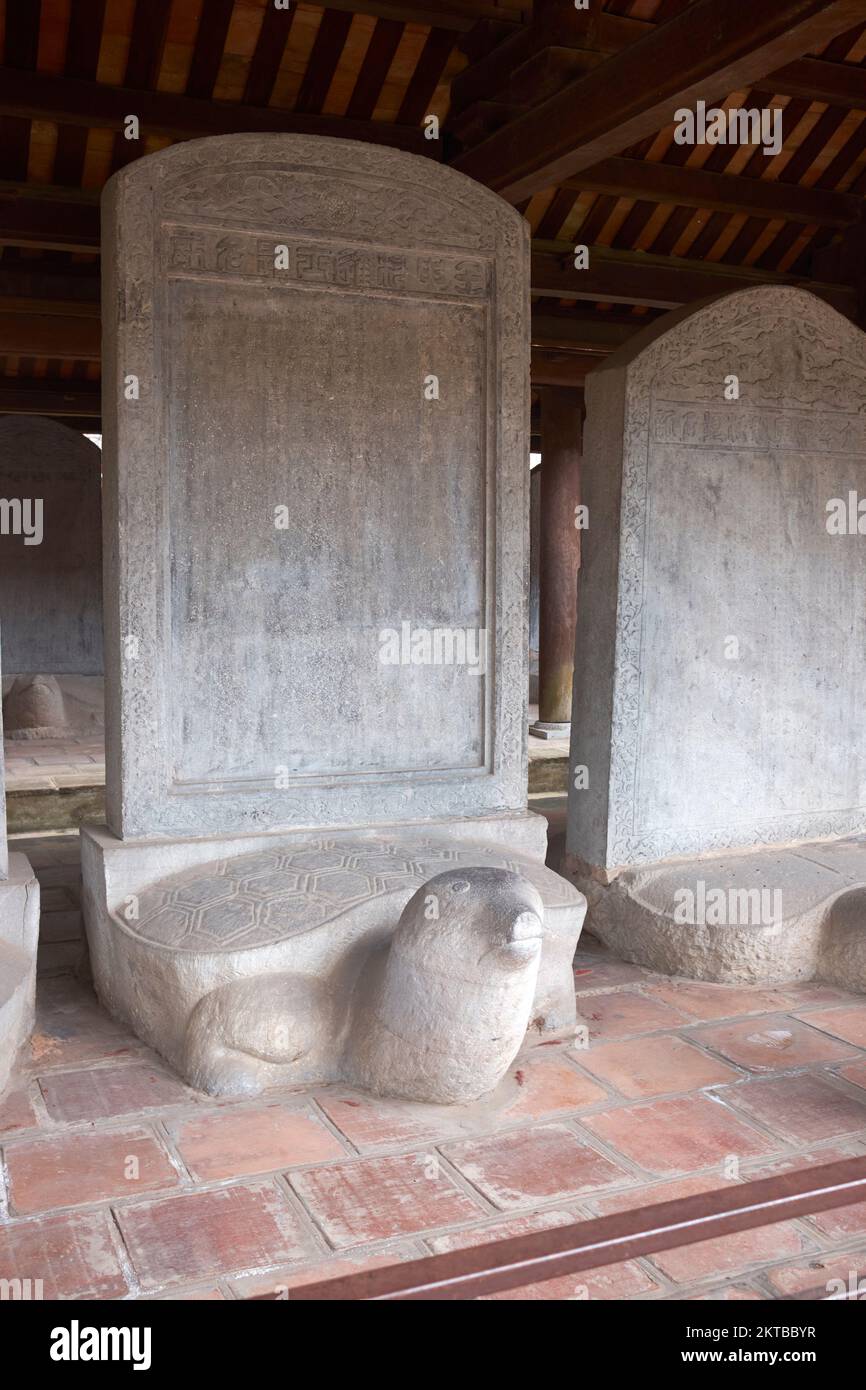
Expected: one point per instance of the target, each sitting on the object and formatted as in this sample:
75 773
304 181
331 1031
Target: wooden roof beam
561 369
581 333
710 49
660 282
73 284
461 15
51 217
815 79
70 101
70 336
46 396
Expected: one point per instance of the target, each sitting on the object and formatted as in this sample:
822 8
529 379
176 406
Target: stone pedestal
317 564
549 731
721 630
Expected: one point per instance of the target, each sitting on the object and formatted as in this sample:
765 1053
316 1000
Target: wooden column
561 439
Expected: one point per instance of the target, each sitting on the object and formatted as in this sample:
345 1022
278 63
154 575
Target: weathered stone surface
721 652
437 1011
767 917
316 368
251 692
51 591
19 930
297 922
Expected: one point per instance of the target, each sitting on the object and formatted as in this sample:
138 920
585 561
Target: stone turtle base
308 906
773 916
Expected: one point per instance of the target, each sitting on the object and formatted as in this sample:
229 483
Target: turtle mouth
523 949
514 953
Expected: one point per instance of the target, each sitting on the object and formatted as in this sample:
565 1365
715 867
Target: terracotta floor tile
233 1143
815 993
773 1043
602 972
370 1199
705 1001
654 1066
531 1165
847 1022
279 1283
733 1254
16 1111
624 1013
73 1254
651 1193
66 1170
547 1084
729 1293
101 1093
205 1235
500 1230
856 1073
189 1296
843 1222
369 1122
71 1027
678 1135
802 1108
820 1272
797 1162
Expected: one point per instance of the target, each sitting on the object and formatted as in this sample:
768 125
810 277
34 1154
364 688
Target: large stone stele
316 506
19 930
721 634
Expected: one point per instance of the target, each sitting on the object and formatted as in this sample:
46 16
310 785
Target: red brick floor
116 1181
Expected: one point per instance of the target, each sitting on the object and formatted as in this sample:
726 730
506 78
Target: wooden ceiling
568 113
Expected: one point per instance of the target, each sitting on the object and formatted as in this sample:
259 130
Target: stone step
32 810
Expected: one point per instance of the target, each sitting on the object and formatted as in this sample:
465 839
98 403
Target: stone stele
722 638
316 525
19 931
51 580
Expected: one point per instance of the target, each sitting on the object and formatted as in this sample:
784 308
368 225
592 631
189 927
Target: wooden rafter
814 79
730 193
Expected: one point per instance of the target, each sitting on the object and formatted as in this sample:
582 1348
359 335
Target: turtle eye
460 886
